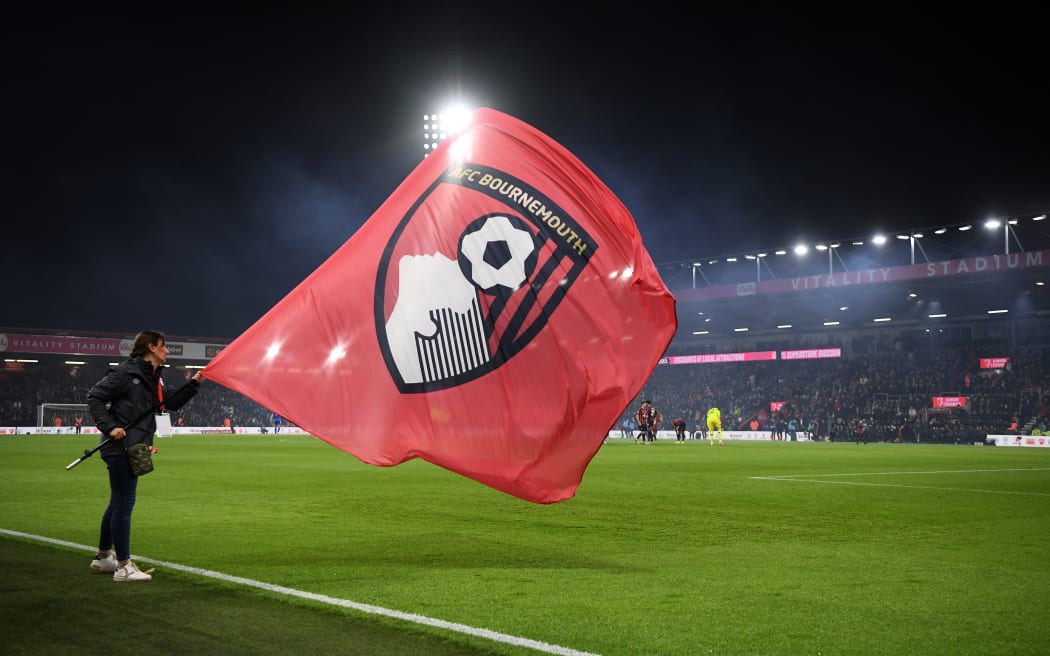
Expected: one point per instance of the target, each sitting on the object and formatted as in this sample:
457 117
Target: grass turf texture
666 549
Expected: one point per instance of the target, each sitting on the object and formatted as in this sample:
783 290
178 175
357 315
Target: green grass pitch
750 548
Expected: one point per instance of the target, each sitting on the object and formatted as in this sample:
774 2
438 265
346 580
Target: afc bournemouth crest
472 273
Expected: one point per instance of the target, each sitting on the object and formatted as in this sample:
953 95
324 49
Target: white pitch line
535 645
898 473
914 487
809 478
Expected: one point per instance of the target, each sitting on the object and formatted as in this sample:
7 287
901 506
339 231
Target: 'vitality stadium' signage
929 270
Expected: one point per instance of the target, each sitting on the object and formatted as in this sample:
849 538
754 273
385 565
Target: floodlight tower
438 127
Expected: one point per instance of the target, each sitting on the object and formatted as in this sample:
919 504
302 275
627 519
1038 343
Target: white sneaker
130 573
107 564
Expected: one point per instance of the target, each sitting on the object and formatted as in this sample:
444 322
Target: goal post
66 412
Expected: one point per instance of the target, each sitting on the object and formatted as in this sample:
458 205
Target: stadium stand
909 321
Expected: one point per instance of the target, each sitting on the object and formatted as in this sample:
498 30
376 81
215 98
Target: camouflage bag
140 458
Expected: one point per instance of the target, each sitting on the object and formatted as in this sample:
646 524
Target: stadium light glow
992 224
878 240
75 362
741 330
997 311
940 231
1041 217
831 323
937 316
700 332
730 259
784 325
272 351
801 249
781 252
964 228
821 247
883 319
438 127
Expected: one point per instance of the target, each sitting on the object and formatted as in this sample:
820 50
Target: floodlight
878 240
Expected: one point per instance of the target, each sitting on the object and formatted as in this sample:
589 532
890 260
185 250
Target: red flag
494 317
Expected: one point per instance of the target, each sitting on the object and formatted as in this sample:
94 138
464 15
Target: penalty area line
495 636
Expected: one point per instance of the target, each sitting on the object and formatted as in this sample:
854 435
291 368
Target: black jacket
128 394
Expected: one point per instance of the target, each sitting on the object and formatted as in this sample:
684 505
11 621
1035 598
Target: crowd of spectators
887 395
22 392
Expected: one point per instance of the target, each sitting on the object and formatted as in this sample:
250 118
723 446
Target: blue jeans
115 532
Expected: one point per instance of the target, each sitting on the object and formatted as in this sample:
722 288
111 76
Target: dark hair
144 340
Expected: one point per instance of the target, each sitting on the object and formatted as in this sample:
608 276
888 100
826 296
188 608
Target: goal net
49 414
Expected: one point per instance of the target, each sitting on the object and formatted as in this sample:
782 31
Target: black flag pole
88 453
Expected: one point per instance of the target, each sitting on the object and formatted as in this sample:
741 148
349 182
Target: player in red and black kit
648 420
645 418
679 429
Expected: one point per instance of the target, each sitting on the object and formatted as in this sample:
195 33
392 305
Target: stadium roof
945 274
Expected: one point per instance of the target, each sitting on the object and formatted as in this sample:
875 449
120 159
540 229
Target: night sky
184 175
